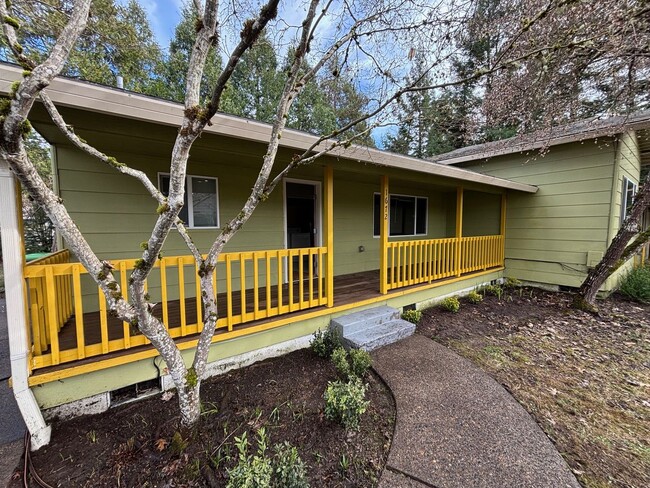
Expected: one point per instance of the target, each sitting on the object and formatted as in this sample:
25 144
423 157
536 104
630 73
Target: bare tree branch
141 176
249 34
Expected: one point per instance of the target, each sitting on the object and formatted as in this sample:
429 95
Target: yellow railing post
502 250
329 233
383 236
459 228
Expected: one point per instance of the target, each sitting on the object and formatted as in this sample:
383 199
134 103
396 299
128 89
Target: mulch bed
585 378
134 445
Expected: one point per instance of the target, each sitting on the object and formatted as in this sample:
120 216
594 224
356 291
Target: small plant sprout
450 304
275 415
474 297
494 290
344 463
324 343
92 436
413 316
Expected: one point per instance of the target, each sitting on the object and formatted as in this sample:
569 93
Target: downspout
13 262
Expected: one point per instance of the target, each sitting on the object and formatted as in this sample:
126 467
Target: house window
629 191
407 215
201 201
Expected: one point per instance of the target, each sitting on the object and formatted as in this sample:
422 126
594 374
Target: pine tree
171 70
256 86
117 41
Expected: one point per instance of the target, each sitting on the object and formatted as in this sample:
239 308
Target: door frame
318 213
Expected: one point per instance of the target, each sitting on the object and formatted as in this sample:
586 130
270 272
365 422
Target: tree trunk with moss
618 252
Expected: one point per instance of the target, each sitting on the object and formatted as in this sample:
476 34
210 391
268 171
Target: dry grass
586 380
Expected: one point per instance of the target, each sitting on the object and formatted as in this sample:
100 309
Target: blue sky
163 17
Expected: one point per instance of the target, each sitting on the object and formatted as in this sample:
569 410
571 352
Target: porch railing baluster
427 260
57 290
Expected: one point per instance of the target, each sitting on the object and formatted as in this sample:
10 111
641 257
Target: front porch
73 333
68 340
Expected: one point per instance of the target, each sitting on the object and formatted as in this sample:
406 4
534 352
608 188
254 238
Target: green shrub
340 360
251 471
289 471
450 304
360 362
284 470
512 283
474 297
324 343
413 316
346 402
495 290
636 284
352 364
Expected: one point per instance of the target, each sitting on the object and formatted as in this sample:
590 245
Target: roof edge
608 127
81 95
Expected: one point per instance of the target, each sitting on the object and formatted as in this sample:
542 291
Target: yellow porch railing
51 305
480 253
253 285
423 261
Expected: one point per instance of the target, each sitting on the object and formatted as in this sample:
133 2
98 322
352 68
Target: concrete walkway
457 427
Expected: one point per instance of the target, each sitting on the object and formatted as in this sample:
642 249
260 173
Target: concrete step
380 335
358 321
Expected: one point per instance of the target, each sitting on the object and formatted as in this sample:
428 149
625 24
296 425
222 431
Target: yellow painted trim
329 234
504 210
459 229
73 370
383 236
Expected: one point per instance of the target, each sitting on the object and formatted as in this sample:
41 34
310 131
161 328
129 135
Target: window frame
415 221
624 201
190 200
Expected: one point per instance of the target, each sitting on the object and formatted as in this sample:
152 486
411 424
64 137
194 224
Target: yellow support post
329 233
459 227
502 251
383 237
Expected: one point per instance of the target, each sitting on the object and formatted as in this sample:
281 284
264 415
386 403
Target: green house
355 229
587 174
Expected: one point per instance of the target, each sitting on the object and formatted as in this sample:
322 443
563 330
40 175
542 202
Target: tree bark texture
618 251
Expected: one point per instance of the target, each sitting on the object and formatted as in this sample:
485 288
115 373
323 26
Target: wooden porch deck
348 288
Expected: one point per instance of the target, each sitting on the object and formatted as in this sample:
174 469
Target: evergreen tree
255 88
117 41
171 70
347 102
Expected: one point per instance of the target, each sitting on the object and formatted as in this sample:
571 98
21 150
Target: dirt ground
137 444
584 378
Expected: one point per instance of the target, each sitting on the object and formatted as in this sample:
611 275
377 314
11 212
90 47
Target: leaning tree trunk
618 252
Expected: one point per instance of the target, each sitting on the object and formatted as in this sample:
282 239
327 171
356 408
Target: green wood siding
628 165
549 234
481 214
115 213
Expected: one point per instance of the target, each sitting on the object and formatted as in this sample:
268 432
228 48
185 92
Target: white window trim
190 203
624 202
426 222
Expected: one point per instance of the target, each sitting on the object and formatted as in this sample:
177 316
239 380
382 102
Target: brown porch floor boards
347 289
